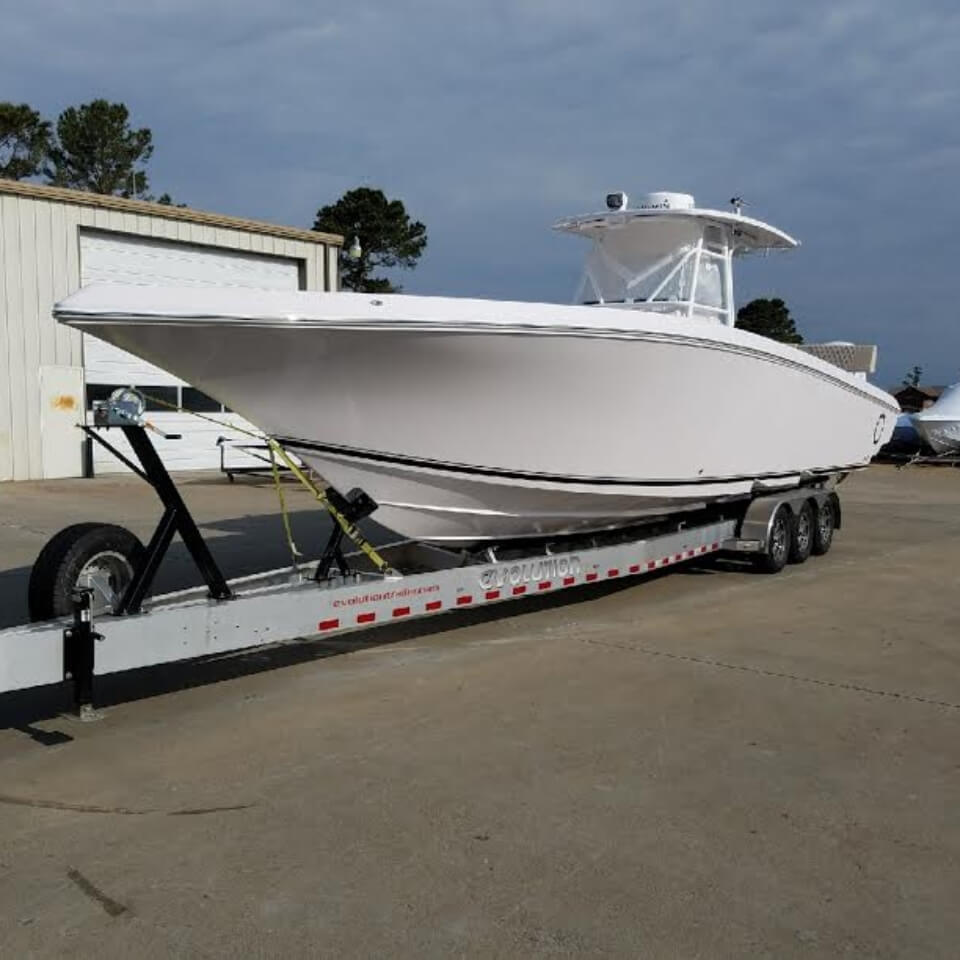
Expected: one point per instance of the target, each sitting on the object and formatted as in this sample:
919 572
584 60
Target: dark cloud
838 121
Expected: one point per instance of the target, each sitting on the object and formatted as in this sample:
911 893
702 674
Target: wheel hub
779 539
825 521
108 575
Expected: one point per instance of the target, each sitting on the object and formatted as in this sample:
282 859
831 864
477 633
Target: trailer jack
78 653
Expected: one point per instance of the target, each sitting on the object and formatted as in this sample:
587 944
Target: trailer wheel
823 529
801 543
100 556
774 558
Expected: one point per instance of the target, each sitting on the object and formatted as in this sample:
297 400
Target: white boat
939 424
473 421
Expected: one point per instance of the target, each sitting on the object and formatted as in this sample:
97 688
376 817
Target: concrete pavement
710 763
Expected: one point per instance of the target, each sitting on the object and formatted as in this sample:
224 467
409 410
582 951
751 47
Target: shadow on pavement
241 546
21 710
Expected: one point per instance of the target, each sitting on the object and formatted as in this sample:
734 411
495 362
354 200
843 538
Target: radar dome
663 200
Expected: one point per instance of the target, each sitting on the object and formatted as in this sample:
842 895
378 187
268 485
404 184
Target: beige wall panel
333 266
13 313
46 327
7 254
310 276
61 401
59 279
320 268
26 308
72 219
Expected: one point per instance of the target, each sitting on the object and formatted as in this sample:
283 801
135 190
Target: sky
838 122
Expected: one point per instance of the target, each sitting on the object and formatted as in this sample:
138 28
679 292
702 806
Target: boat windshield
671 265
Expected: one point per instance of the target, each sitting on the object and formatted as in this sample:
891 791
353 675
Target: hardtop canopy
667 255
748 234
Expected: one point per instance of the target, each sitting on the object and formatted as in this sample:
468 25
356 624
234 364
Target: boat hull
452 506
536 420
941 435
939 424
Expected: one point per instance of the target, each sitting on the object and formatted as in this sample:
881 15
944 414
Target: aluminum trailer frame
286 604
282 605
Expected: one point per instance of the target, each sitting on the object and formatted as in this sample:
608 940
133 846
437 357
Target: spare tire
101 556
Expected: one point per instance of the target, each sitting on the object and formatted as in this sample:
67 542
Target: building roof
103 201
853 357
928 391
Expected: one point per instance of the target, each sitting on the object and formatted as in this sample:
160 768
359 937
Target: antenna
738 203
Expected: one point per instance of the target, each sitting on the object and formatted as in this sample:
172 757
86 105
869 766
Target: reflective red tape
366 617
434 605
545 585
328 624
401 612
518 590
493 594
569 581
464 600
590 577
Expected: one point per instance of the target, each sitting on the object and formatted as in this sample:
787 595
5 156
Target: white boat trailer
287 604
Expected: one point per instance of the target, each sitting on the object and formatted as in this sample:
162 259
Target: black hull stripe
440 466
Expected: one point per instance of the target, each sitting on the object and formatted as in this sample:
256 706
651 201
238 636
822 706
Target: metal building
52 241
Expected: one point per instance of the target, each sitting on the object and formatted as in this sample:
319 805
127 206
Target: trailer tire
779 543
824 526
801 539
101 555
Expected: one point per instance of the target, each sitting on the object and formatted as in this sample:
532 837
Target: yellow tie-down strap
350 529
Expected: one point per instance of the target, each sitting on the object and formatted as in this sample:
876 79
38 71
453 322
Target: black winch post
176 519
356 505
78 643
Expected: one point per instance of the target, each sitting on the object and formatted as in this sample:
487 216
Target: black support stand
353 507
176 519
78 642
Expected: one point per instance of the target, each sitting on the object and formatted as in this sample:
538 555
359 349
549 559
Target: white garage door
127 258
